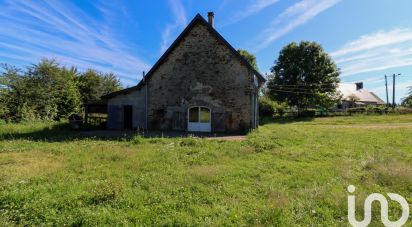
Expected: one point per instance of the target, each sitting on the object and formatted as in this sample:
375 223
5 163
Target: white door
199 119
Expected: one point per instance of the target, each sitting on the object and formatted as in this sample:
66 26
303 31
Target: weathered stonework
199 70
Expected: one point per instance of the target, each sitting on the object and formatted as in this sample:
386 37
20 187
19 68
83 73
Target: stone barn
200 84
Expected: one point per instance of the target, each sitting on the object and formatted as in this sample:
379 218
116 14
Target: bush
356 110
308 113
137 140
267 107
281 109
404 110
407 102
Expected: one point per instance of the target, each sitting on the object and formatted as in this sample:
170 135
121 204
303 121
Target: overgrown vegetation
286 173
49 91
268 107
407 102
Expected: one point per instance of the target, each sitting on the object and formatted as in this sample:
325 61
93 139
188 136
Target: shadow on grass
63 132
56 133
284 120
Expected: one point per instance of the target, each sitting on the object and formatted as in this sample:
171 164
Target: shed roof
197 19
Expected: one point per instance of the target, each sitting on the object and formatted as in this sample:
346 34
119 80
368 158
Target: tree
44 91
249 58
352 99
53 90
407 102
49 91
304 76
93 84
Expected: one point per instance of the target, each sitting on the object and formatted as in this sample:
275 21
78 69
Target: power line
295 92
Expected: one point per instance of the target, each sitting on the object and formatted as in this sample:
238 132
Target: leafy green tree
43 91
53 89
110 84
249 58
407 102
89 85
93 84
304 76
9 81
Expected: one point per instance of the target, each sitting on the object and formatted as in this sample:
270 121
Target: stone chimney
211 18
359 85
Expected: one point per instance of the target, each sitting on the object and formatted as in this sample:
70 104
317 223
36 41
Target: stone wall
201 71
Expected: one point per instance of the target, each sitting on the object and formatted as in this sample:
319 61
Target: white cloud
31 31
256 7
375 52
378 39
293 17
180 22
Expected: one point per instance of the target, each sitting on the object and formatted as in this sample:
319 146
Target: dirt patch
227 138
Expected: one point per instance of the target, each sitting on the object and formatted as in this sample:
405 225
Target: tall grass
288 174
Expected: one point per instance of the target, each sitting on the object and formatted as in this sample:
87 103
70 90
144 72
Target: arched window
199 119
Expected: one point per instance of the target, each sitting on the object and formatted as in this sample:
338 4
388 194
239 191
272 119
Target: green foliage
407 102
93 84
44 91
268 107
249 58
284 174
304 76
49 91
308 113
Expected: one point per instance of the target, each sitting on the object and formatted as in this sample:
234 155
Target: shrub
374 109
356 110
308 113
281 108
404 110
137 140
267 107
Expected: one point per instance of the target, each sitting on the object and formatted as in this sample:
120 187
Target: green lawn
286 173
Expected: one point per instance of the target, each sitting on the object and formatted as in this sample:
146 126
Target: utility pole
393 91
386 85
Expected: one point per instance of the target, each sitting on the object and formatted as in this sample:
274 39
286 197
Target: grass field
284 174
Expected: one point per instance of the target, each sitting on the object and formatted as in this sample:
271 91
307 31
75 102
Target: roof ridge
198 18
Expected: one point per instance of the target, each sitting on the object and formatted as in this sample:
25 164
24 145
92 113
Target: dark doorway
127 117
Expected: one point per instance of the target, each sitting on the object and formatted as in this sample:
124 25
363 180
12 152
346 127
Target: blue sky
366 38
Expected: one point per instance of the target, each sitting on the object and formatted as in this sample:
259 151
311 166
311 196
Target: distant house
354 95
201 83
